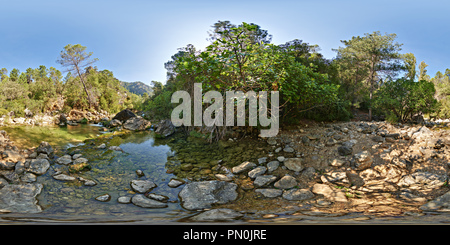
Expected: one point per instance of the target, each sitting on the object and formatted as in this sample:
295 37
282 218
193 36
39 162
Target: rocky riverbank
372 169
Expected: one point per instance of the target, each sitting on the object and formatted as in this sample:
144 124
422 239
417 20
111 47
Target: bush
404 98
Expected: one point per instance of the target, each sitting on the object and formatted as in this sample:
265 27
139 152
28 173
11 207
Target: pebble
103 198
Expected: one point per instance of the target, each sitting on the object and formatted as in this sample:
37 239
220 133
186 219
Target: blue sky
134 39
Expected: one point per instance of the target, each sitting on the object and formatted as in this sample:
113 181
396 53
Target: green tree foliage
371 58
404 98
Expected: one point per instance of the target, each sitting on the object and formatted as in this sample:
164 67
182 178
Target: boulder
363 160
45 148
298 194
441 202
20 198
201 195
136 124
144 202
142 186
243 167
220 214
124 115
294 164
114 123
64 160
165 128
38 166
286 182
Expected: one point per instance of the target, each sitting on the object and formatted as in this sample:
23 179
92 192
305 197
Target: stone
294 164
272 166
344 150
329 193
115 148
337 162
423 181
38 166
441 202
264 180
298 194
101 146
363 160
334 176
142 186
270 192
80 160
286 182
103 198
144 202
186 167
201 195
243 167
114 123
288 149
45 148
220 214
124 200
175 183
262 160
76 156
257 172
64 177
157 197
20 198
136 124
64 160
223 177
165 128
124 115
28 178
83 166
7 165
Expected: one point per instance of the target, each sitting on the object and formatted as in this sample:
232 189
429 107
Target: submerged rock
201 195
144 202
220 214
142 186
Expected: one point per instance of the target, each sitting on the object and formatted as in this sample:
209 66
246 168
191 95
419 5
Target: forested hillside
46 90
138 87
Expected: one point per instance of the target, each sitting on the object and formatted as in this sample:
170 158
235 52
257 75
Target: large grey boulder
201 195
165 128
20 198
124 115
39 166
136 124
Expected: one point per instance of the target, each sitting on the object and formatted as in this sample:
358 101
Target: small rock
64 177
272 166
270 192
337 162
124 200
243 167
115 148
224 177
288 149
257 172
286 182
298 194
175 183
75 156
139 173
142 186
80 160
158 197
344 150
263 180
363 160
38 166
64 160
294 164
103 198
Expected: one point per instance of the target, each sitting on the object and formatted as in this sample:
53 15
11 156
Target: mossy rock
79 167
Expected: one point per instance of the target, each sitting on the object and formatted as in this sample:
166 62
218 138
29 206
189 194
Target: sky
134 38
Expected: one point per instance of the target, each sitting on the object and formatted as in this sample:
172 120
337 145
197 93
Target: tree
410 66
405 98
376 53
75 58
423 71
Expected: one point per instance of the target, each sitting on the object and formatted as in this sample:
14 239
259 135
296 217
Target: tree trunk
84 86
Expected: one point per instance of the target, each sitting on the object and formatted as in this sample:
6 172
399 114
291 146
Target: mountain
137 87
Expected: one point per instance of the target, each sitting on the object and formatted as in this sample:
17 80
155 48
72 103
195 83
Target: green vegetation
43 89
